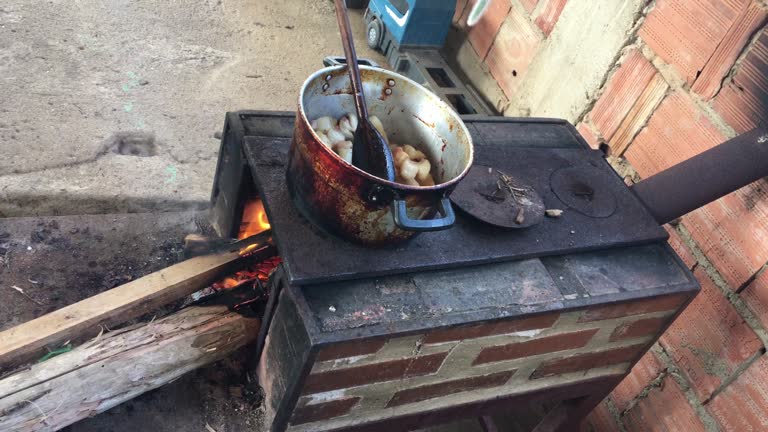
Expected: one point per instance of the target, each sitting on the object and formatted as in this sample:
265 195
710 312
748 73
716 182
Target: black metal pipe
705 177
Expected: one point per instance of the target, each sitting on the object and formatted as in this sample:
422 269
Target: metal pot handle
405 223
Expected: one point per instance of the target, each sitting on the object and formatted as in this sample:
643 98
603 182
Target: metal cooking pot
358 206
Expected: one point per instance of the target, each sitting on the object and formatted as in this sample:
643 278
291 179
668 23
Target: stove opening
254 218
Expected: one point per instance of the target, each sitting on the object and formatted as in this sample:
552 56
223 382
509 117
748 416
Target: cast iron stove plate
312 256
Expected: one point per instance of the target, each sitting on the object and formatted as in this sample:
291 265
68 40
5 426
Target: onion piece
379 127
409 169
344 150
322 124
335 135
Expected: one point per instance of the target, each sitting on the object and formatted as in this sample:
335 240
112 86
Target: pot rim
372 177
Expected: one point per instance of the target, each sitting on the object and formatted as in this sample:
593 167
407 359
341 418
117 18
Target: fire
260 270
254 219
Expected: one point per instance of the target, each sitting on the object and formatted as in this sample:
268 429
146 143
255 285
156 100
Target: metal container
358 206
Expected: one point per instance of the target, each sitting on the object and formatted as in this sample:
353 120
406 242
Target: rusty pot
354 204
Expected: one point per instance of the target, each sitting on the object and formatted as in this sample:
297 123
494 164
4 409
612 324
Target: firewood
119 366
87 317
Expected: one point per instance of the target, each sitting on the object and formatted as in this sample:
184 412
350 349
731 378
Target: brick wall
689 75
353 383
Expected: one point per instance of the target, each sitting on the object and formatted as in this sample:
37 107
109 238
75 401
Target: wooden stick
119 366
112 307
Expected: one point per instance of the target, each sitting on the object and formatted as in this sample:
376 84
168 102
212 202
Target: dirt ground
110 107
113 106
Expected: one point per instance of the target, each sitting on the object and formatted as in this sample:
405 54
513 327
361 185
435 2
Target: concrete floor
84 81
86 84
113 106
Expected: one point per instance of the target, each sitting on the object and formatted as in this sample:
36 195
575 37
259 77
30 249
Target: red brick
489 329
676 242
743 102
655 304
459 16
686 33
589 135
742 405
646 370
674 133
323 411
749 20
639 113
639 328
549 15
482 34
732 231
445 388
371 373
529 5
709 340
621 92
756 297
350 349
586 361
666 409
599 420
547 344
512 53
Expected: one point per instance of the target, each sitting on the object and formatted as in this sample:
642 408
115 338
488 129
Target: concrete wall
658 82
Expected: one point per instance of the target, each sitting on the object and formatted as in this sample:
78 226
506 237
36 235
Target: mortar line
657 382
752 278
615 414
673 371
731 295
735 374
677 83
632 39
751 42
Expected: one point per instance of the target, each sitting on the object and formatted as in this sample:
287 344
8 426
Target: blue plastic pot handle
405 223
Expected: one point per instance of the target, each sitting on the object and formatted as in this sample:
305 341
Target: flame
260 270
253 222
254 219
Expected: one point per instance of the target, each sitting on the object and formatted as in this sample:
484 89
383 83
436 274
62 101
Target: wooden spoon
370 152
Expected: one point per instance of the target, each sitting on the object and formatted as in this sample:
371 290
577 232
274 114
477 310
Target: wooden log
118 366
115 306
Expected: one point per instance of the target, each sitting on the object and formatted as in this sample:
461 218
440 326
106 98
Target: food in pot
412 167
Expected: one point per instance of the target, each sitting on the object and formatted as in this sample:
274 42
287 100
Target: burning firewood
123 303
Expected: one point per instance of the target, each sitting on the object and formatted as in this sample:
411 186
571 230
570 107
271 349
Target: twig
21 291
209 428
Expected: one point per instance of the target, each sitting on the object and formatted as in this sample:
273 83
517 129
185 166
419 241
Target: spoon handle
349 50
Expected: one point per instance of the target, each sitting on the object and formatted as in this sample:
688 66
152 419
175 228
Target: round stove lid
498 198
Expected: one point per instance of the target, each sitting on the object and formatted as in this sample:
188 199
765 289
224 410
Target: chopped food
379 127
412 167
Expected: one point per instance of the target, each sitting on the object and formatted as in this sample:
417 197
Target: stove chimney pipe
705 177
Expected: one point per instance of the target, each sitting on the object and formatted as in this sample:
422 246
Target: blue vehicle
396 24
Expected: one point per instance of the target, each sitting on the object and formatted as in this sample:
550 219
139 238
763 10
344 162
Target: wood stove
461 322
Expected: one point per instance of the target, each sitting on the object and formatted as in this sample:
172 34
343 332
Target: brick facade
691 75
473 363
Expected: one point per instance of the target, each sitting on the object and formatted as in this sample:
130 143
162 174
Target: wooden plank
119 366
117 305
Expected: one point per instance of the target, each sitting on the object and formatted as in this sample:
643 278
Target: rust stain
384 96
345 90
431 125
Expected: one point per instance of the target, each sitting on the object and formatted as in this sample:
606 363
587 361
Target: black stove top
548 154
